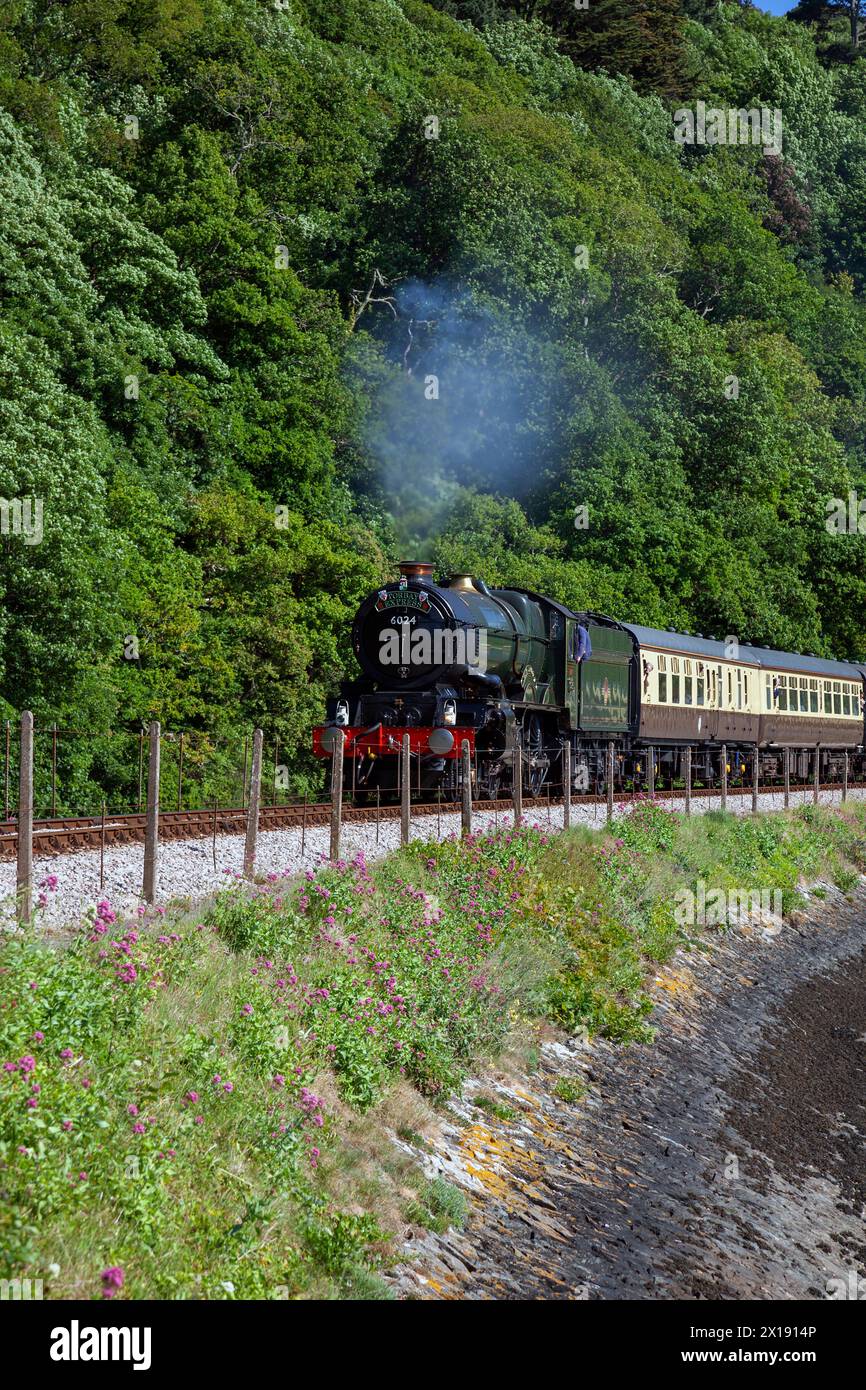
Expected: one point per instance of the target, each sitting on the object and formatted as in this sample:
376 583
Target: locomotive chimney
415 569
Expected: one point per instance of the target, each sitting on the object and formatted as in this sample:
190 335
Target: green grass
569 1089
206 1102
439 1205
491 1106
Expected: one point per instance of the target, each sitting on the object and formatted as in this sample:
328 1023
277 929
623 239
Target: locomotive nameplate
402 598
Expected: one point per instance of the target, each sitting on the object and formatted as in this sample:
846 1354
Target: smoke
468 399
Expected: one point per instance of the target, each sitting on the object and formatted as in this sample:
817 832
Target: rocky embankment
725 1160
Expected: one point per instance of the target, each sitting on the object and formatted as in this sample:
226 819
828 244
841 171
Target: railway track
69 834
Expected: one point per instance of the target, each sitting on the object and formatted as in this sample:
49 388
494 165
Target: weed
494 1107
570 1089
439 1206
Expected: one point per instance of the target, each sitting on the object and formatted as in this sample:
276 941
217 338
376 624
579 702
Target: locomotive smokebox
416 569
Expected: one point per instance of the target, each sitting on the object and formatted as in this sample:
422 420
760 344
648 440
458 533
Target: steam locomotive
450 660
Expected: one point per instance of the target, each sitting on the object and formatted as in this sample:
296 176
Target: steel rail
68 834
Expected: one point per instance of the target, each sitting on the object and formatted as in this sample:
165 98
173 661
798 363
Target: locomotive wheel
537 761
492 780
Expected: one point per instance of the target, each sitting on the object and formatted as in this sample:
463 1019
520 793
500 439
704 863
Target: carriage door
715 701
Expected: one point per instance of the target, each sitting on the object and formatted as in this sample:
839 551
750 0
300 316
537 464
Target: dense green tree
284 288
821 12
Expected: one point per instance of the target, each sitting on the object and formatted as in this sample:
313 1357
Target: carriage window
846 701
700 690
768 691
730 689
739 690
782 682
675 689
804 696
828 698
837 698
663 663
687 684
813 697
663 686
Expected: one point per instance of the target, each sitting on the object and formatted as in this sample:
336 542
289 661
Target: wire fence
78 771
154 773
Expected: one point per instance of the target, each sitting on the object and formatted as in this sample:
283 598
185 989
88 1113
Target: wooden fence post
816 784
651 771
689 780
6 778
724 796
151 825
253 803
24 881
566 785
845 778
336 791
755 781
609 779
53 771
517 784
466 787
787 761
405 789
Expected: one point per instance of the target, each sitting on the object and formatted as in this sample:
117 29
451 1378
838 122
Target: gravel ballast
187 872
